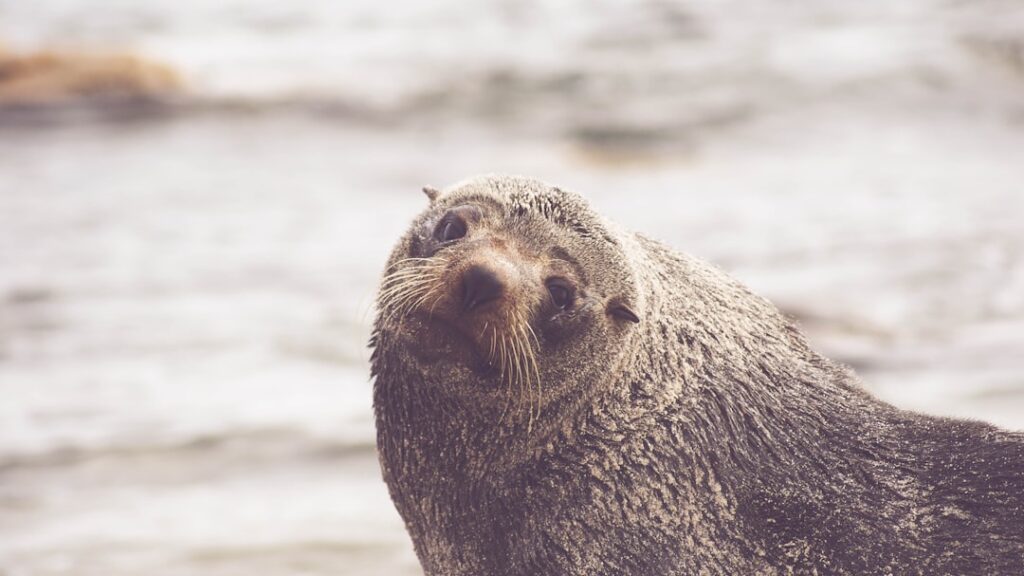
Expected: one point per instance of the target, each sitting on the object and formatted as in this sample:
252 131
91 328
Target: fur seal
554 395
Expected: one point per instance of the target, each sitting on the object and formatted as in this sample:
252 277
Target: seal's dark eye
562 292
451 227
456 222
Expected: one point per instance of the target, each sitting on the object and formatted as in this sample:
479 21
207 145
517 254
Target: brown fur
706 439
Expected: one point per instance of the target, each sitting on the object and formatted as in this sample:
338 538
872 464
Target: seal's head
508 291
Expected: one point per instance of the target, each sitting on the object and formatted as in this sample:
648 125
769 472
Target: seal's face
502 287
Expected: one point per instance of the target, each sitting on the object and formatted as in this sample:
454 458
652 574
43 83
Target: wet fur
709 440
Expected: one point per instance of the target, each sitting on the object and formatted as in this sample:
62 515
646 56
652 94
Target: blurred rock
54 77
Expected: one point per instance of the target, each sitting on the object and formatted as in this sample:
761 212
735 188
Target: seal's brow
559 253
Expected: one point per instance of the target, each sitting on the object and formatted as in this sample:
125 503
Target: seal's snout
480 285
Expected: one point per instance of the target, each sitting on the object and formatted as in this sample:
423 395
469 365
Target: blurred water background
197 198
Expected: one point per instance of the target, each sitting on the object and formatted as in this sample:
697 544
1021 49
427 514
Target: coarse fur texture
707 438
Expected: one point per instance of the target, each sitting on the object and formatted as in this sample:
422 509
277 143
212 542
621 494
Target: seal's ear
622 312
431 193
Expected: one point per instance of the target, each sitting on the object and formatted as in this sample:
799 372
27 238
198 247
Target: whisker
413 304
435 303
506 375
527 361
404 285
494 339
398 295
518 367
400 305
533 351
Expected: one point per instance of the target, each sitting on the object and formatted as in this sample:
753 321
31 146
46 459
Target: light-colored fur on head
523 218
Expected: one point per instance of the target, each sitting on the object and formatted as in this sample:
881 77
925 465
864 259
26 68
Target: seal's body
556 396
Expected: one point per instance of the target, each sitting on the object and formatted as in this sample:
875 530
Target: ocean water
186 291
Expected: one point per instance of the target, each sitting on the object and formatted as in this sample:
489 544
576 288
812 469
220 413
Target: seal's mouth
434 339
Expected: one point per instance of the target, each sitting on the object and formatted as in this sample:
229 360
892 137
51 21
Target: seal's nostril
480 286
